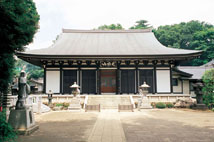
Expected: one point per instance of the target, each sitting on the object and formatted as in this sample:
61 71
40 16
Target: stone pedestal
145 104
23 121
75 104
200 107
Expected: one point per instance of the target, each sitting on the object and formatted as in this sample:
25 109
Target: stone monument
50 97
199 96
22 118
143 101
75 101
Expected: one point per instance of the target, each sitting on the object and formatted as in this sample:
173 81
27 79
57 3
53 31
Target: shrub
58 105
66 105
160 105
169 105
208 89
7 134
153 104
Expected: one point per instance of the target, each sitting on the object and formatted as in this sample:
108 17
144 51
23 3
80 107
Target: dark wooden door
89 81
127 81
69 77
108 81
147 76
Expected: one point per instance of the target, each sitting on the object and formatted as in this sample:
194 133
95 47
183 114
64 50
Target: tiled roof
112 42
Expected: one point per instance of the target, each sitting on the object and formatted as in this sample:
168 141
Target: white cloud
89 14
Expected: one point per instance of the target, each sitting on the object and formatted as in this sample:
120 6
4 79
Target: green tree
7 133
193 35
33 72
208 89
111 27
141 24
18 24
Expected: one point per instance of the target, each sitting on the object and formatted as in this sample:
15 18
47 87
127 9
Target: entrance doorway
108 81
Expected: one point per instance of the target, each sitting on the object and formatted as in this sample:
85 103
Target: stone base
75 104
74 107
145 104
28 131
200 107
23 121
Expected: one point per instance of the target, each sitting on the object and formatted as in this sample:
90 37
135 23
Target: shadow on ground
65 131
148 129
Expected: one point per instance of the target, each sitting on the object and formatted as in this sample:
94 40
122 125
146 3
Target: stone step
109 101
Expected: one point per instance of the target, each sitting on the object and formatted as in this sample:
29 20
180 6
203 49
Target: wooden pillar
155 81
79 63
44 86
98 77
155 76
61 89
61 77
137 77
171 86
98 81
171 62
118 78
78 81
45 74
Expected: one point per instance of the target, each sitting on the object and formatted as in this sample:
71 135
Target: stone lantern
143 101
75 89
144 89
50 97
75 101
199 95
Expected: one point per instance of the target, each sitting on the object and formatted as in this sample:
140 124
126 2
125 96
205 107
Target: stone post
199 96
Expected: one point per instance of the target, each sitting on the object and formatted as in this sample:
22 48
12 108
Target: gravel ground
62 127
169 125
154 125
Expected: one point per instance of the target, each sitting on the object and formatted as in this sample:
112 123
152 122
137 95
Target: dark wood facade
99 77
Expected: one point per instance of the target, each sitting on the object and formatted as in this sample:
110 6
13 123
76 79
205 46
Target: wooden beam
145 62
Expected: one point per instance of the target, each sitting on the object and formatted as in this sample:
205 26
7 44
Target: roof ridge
107 31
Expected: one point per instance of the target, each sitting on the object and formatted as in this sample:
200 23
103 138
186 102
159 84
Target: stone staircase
109 101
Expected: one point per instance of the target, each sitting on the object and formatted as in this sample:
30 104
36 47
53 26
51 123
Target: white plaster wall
186 86
53 81
163 81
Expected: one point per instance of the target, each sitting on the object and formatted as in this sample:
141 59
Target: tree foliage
111 27
33 72
192 35
141 24
208 89
6 131
18 24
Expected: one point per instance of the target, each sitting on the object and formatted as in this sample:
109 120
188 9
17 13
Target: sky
89 14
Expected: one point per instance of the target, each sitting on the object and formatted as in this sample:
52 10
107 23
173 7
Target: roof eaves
182 72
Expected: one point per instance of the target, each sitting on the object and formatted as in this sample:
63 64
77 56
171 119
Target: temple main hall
111 62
